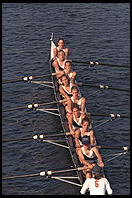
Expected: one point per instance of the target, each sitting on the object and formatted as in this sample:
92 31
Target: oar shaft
12 109
12 81
41 136
113 65
124 148
19 139
31 106
45 75
109 115
21 176
23 107
93 63
44 173
101 86
27 78
53 135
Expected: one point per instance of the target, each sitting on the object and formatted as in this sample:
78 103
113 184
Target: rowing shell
69 139
63 119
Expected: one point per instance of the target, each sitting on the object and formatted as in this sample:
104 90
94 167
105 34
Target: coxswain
75 119
61 47
98 184
68 71
85 130
65 91
78 99
87 155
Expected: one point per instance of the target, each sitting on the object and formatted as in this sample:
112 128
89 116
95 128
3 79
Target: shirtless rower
87 155
61 47
98 184
75 119
78 99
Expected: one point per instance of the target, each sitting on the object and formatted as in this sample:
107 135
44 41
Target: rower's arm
66 52
55 52
60 74
55 65
101 164
70 121
92 137
73 77
77 134
83 101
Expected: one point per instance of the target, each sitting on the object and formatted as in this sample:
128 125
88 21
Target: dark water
92 31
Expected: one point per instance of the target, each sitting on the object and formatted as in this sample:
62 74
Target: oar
33 106
27 78
101 86
41 136
93 63
18 139
112 115
45 173
124 148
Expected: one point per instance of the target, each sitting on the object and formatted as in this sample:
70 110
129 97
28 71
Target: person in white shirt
98 184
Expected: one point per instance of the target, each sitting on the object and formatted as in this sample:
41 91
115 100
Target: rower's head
61 42
67 66
61 55
76 110
86 141
86 122
97 172
65 80
75 91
